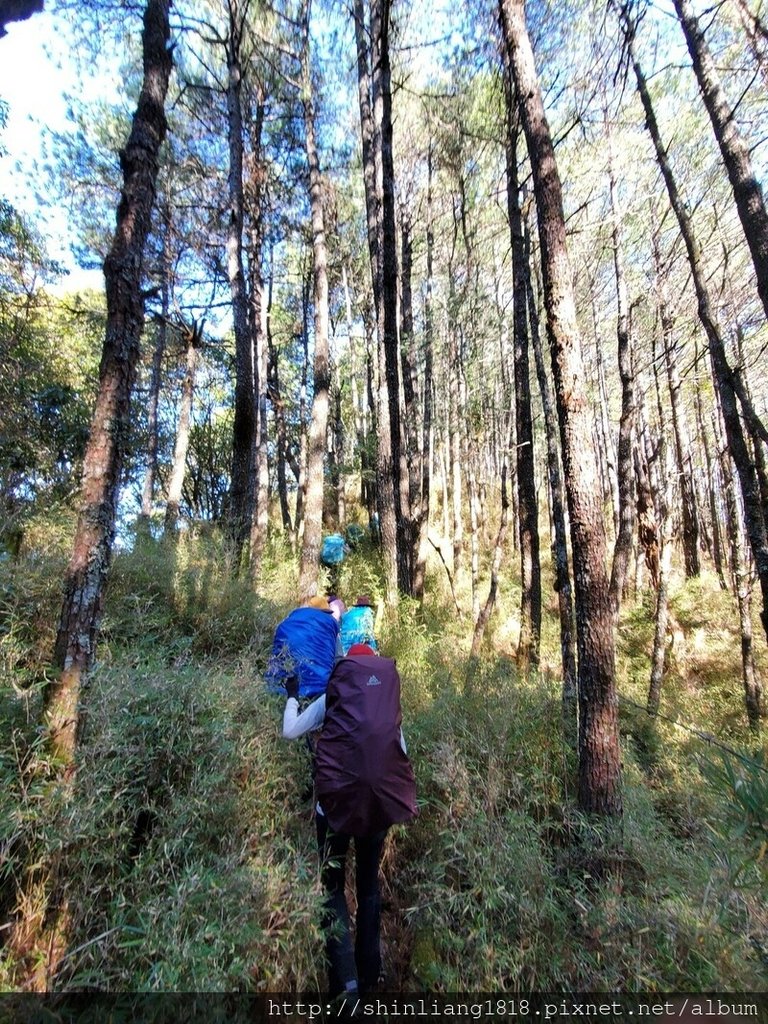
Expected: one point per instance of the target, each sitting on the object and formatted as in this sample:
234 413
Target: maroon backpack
364 780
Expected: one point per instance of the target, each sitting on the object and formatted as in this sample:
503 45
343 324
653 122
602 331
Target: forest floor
188 848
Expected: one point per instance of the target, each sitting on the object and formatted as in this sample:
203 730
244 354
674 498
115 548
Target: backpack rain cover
364 780
305 646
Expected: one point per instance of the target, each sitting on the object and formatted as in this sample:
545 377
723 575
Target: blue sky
36 73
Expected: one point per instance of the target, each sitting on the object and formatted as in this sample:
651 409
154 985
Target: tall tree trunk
194 337
661 620
281 435
260 523
606 448
599 752
338 448
148 492
757 35
420 567
454 445
712 488
754 424
679 426
722 373
374 94
258 312
301 479
388 333
559 525
372 419
474 527
528 513
746 189
313 502
743 586
413 453
241 495
86 574
486 611
623 546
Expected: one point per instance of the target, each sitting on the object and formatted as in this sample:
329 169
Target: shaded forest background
357 275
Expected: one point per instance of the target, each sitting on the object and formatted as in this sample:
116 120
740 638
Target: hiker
374 527
306 645
358 624
355 535
332 553
363 784
337 606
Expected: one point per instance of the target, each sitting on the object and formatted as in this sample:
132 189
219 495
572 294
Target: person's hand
292 686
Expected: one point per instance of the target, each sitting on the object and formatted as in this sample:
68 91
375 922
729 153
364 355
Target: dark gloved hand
292 686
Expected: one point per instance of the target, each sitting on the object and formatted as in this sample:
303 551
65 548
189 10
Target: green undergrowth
187 847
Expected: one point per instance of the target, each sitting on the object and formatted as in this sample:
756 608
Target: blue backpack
333 550
357 627
304 646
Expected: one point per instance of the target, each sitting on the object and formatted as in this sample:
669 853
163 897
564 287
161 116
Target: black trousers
347 969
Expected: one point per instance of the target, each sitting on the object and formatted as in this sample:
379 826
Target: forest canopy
483 289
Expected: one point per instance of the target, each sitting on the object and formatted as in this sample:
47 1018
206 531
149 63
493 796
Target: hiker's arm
295 724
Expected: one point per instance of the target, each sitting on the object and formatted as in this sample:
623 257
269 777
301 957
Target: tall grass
187 847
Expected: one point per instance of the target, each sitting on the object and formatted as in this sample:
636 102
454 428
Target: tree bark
722 373
559 525
420 568
148 492
528 648
757 35
661 620
680 432
313 501
255 185
712 489
599 752
606 448
413 454
622 550
301 478
241 495
743 587
194 339
746 190
92 551
482 620
281 434
374 94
